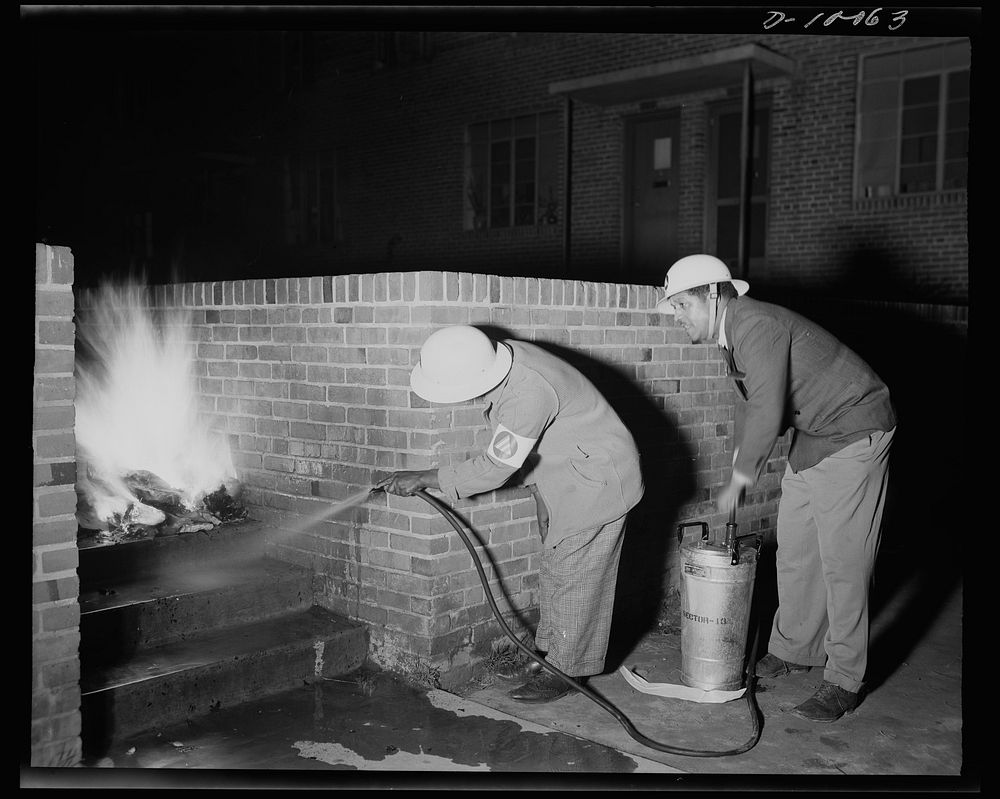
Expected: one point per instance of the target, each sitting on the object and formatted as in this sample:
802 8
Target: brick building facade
393 134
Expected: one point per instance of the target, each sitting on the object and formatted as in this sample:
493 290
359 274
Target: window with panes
511 172
913 121
312 215
725 181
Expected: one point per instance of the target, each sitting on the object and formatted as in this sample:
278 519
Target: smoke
137 405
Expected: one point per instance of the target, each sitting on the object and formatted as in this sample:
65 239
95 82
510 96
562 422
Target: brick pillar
55 609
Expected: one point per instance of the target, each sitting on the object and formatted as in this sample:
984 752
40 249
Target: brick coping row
394 288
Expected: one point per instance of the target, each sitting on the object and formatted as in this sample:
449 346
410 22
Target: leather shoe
773 666
518 670
542 687
829 703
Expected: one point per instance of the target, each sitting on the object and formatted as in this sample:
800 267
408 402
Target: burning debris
149 462
159 510
225 505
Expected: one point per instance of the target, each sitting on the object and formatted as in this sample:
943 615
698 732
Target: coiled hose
448 514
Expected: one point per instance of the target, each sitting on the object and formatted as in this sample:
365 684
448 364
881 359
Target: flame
137 406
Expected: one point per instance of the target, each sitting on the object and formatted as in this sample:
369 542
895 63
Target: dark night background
131 120
171 114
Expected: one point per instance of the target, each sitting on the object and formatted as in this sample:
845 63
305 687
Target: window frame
302 218
860 191
401 48
298 60
714 110
478 197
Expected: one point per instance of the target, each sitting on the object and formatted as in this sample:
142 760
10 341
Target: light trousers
829 526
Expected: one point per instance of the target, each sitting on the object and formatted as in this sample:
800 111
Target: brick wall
310 378
55 612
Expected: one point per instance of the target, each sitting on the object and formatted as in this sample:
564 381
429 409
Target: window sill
924 200
517 233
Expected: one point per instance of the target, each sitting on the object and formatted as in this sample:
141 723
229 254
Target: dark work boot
828 704
773 666
542 687
518 669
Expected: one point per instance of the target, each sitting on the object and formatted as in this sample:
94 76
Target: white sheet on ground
678 691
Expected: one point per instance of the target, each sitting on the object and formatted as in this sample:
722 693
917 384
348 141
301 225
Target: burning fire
147 456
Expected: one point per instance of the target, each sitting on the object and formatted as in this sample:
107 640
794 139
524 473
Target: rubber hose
449 515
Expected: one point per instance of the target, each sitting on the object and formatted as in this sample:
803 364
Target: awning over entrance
680 76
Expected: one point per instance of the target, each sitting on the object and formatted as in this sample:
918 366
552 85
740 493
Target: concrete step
177 626
137 611
102 564
203 672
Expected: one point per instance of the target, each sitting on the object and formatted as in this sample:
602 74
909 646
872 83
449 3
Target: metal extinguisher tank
716 593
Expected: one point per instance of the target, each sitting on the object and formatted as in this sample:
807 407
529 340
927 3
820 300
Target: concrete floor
372 729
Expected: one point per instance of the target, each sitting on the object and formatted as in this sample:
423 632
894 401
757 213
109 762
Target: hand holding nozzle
731 496
408 483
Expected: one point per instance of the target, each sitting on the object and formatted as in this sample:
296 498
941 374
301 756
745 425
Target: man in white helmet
791 373
583 471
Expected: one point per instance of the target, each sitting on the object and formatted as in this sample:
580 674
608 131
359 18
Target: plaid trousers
577 593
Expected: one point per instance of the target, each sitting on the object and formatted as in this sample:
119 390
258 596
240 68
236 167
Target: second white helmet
697 270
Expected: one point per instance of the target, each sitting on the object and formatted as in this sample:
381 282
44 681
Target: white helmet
459 363
697 270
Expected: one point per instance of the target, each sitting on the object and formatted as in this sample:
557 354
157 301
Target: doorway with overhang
736 166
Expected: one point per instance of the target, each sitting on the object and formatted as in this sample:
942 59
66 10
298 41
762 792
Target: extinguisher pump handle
682 525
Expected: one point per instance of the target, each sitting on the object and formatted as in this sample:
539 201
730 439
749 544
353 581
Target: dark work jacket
584 464
790 372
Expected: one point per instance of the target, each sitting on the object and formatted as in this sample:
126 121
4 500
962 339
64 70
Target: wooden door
651 196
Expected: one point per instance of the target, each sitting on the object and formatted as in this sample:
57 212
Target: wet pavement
372 723
369 726
373 729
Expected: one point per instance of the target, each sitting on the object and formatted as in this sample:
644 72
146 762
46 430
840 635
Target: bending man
583 471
